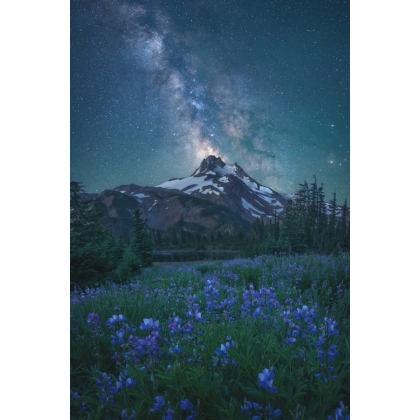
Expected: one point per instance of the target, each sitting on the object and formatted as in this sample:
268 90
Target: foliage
95 255
308 225
93 250
250 338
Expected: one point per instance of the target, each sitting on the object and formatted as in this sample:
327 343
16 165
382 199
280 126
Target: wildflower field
259 338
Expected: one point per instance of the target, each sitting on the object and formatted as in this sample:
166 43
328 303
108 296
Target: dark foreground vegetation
259 338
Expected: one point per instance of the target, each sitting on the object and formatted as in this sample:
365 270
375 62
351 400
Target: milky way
156 86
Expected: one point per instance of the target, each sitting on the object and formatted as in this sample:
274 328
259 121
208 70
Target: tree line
309 225
95 254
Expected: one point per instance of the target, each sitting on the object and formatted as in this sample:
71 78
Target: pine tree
343 230
139 252
333 215
89 241
292 234
141 241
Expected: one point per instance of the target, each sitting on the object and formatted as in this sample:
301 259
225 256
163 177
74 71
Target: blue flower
222 350
169 414
129 383
160 402
266 380
186 405
247 407
277 413
117 389
115 319
149 324
124 415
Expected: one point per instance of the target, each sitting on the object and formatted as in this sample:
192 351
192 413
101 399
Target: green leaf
251 391
240 359
90 400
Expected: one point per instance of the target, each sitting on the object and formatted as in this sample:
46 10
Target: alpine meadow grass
259 338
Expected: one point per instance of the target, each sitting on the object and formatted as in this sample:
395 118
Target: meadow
260 338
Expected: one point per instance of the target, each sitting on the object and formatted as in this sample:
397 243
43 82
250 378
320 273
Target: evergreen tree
141 241
293 233
344 233
89 241
139 252
306 225
333 216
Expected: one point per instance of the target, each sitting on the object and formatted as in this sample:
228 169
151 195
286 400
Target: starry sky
157 86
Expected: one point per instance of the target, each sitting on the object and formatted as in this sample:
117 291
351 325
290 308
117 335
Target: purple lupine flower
74 395
198 316
149 324
160 402
266 380
175 324
222 350
93 321
247 407
332 353
117 389
186 405
277 413
289 340
257 312
256 406
130 383
225 359
115 319
340 413
331 326
118 337
104 383
175 349
169 414
124 415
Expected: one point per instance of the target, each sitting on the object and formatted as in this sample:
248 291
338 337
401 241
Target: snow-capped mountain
230 186
215 196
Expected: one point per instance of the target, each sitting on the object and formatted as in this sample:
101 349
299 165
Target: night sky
157 86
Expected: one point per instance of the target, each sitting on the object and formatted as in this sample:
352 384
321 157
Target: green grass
253 302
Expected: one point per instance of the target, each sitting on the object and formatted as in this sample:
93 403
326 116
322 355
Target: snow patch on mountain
226 170
248 206
140 196
270 200
190 185
154 204
210 191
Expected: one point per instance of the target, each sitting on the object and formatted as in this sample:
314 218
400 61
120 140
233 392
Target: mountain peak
210 163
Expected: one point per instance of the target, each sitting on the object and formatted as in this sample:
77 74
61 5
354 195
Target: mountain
230 186
216 196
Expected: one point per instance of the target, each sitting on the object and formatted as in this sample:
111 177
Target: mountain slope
163 208
230 186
